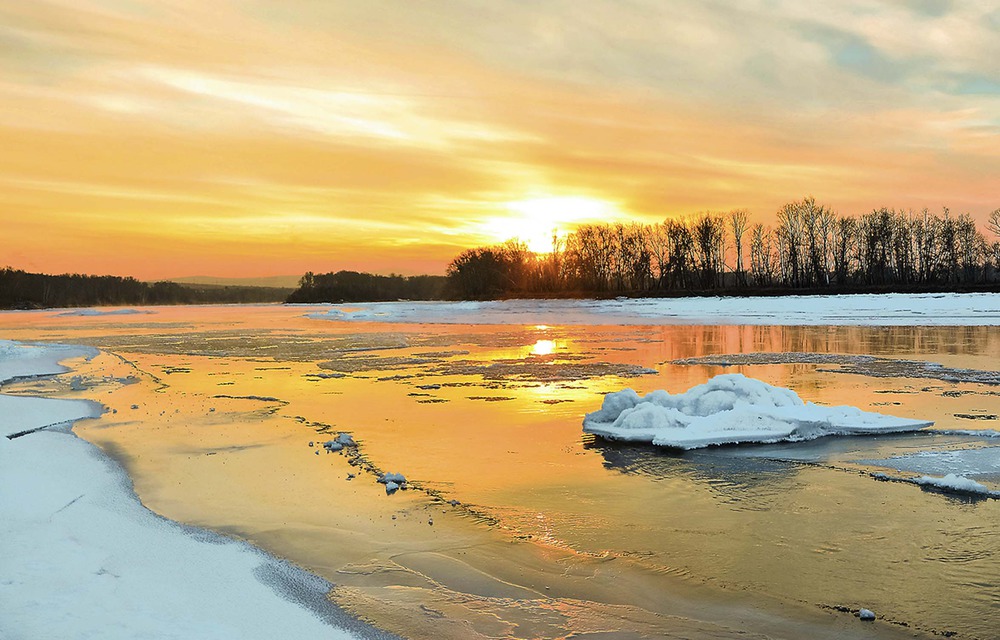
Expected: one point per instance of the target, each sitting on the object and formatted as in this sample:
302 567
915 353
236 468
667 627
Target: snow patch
731 409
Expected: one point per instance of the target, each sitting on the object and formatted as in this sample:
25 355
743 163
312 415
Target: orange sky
177 138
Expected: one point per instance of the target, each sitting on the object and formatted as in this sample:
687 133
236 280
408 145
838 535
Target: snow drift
731 409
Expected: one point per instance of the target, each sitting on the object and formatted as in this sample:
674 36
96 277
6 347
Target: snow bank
731 409
80 557
950 309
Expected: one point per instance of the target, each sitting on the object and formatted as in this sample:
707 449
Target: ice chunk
391 488
345 439
731 409
397 478
342 440
952 482
866 614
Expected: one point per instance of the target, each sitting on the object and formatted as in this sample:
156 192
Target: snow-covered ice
80 557
731 409
947 309
18 359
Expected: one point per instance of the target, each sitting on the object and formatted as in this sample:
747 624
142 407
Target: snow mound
731 409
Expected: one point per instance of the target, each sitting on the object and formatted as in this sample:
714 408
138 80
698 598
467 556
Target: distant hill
280 282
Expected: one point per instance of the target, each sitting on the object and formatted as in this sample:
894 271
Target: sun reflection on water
543 347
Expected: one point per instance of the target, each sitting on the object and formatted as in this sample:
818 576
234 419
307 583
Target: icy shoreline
81 557
890 309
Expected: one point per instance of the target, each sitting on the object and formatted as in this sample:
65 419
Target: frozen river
514 522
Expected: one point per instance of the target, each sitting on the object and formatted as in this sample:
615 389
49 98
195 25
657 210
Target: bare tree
845 238
761 255
993 222
789 236
738 226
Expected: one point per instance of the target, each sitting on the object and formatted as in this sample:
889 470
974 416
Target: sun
538 222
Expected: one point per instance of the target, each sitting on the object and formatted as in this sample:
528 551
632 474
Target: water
555 532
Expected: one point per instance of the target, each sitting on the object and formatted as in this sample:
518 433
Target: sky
175 138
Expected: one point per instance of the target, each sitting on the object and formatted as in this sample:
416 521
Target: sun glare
543 347
538 221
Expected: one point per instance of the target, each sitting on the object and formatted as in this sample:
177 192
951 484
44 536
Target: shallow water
555 532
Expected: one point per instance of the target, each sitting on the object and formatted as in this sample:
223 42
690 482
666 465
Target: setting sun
537 221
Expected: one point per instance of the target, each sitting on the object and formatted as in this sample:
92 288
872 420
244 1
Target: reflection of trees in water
870 366
689 341
750 481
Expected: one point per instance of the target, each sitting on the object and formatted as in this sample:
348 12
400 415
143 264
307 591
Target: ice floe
952 482
731 409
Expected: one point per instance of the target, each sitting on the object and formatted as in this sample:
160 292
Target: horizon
386 138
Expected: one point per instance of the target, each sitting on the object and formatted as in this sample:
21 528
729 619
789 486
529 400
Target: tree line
352 286
810 247
24 290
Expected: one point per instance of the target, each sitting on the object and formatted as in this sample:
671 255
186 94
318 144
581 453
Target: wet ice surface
980 462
